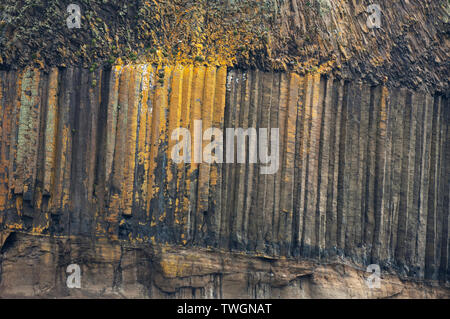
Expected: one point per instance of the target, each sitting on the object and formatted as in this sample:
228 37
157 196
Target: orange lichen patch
377 61
39 229
174 266
326 67
201 31
15 226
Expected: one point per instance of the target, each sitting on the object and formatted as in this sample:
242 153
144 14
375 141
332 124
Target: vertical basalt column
363 170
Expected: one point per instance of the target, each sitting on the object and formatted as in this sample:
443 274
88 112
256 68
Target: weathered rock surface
410 49
35 266
86 174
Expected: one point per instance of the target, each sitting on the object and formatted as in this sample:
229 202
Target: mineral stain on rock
86 175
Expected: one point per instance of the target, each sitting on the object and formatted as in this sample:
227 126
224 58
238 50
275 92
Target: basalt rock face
362 173
87 174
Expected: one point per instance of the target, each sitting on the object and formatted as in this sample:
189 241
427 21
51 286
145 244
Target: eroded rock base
35 266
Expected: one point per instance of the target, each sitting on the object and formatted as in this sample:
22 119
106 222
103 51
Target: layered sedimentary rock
87 175
36 266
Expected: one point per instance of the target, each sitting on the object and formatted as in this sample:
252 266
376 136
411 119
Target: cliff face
362 173
87 176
